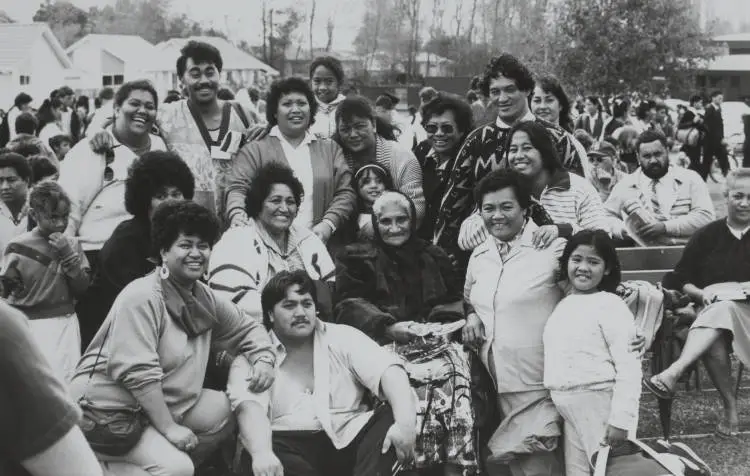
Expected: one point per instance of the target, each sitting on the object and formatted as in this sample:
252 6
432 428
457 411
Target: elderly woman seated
399 289
247 257
714 261
144 368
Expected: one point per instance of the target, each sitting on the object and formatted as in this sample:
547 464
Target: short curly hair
173 218
46 196
284 86
151 173
448 102
330 63
200 52
501 179
17 162
269 175
123 93
510 67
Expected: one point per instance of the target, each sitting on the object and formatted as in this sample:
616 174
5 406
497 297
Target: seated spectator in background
39 435
15 177
26 123
549 102
718 253
606 171
60 146
172 96
45 271
673 202
42 168
225 94
584 138
153 178
592 121
663 122
427 95
314 419
246 258
28 145
447 121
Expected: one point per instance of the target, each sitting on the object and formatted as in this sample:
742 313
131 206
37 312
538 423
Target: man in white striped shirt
674 200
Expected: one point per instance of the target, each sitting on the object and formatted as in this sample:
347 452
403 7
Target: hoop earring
163 271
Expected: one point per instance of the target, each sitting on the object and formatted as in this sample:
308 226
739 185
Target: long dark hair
46 115
542 141
358 106
605 248
550 84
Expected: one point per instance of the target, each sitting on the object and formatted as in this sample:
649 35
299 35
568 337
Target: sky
240 18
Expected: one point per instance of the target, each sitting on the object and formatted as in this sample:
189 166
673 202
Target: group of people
334 300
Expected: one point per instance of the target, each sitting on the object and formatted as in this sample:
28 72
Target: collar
276 132
525 237
318 333
737 232
5 211
327 108
644 182
560 179
295 235
504 125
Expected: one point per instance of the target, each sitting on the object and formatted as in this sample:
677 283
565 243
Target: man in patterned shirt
508 83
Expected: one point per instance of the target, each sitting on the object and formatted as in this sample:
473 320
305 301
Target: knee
177 463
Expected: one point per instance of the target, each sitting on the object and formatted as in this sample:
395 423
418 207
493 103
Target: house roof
17 40
730 63
128 48
732 38
233 57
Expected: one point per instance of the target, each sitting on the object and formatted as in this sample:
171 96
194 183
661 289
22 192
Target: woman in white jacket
247 257
95 183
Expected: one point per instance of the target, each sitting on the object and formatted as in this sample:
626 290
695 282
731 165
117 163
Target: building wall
9 88
734 84
47 73
88 58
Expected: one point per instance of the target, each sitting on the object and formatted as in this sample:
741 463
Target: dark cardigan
372 293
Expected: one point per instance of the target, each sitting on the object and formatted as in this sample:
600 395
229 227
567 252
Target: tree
312 20
68 22
605 46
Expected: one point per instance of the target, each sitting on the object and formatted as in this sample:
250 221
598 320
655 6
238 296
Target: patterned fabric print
440 375
484 151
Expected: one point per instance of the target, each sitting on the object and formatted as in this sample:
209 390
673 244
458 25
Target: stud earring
164 271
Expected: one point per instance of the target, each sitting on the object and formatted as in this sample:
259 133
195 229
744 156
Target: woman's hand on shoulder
544 236
101 142
239 218
473 335
257 132
401 332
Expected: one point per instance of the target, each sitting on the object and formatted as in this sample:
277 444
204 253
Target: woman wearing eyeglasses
447 121
96 182
367 139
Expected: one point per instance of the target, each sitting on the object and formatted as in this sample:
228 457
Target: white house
32 61
111 60
240 68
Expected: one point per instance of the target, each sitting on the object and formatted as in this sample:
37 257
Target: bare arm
394 385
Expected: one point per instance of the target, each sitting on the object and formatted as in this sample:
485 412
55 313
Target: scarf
193 310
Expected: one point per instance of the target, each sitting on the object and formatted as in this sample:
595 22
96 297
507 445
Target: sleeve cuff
143 390
328 222
671 228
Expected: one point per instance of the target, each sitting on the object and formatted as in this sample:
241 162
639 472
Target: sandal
658 388
684 451
724 431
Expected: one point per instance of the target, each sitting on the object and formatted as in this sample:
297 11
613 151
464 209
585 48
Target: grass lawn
696 412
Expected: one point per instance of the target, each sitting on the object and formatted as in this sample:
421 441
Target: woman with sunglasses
96 182
447 121
367 139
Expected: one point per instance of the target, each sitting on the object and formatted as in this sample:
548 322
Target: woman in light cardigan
152 352
318 163
247 257
367 139
95 183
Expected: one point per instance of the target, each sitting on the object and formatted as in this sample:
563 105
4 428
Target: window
734 81
106 80
25 80
715 81
119 79
701 81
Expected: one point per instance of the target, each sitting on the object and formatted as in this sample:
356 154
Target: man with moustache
314 420
675 200
508 83
203 130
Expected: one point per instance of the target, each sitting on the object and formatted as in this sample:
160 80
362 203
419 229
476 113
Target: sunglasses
444 128
109 157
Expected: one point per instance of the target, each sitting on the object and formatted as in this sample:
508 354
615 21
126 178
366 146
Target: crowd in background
336 288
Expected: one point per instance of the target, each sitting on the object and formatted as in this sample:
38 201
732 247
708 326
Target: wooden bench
652 264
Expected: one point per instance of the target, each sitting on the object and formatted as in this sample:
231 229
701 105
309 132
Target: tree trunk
312 19
265 31
470 32
330 25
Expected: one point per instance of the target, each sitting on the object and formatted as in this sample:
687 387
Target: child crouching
593 376
43 272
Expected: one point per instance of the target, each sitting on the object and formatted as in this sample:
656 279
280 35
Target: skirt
59 339
732 316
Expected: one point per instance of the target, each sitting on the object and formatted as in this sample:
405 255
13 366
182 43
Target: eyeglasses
109 157
444 128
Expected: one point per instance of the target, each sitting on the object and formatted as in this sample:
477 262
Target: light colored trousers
586 415
211 420
59 339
